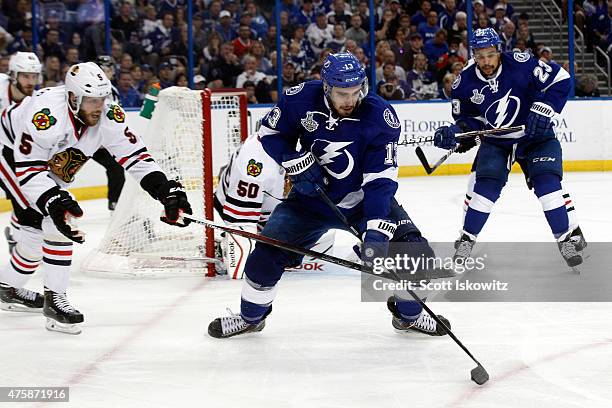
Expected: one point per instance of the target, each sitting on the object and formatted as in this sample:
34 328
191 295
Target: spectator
389 59
339 14
21 42
169 6
128 96
421 15
456 68
258 21
509 8
443 65
524 34
421 80
52 23
126 62
360 54
350 46
181 80
507 37
259 52
250 72
355 32
389 78
52 71
75 40
447 17
161 39
602 22
225 69
400 46
289 7
285 25
245 19
166 75
463 47
587 87
321 6
225 28
124 21
436 47
306 15
298 56
90 12
138 80
149 21
4 64
52 46
381 48
299 36
72 55
429 28
249 87
499 19
212 15
520 46
243 43
211 52
269 41
479 8
391 90
483 21
447 83
319 33
18 20
200 37
338 40
290 79
396 10
415 47
199 82
459 26
546 55
384 27
363 9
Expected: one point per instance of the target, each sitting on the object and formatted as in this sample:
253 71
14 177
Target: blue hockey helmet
343 70
485 37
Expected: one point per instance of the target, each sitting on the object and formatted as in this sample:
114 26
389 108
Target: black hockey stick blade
479 375
421 155
436 274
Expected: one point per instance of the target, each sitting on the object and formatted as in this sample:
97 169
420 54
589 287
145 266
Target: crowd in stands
421 45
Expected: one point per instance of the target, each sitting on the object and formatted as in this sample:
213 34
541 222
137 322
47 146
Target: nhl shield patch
391 119
43 120
254 168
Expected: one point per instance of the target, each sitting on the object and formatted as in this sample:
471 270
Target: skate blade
576 269
16 307
53 325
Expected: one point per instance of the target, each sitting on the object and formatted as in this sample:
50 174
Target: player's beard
91 118
27 90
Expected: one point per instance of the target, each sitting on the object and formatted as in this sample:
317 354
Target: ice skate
424 324
463 247
233 325
20 299
61 316
571 249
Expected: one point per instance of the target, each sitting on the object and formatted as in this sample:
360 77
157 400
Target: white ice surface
144 342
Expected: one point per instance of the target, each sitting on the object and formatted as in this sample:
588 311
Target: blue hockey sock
255 300
486 192
409 310
547 188
252 312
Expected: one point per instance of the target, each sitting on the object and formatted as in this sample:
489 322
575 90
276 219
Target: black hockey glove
172 195
465 145
60 206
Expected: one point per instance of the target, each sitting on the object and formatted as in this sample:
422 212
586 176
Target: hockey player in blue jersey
498 90
348 141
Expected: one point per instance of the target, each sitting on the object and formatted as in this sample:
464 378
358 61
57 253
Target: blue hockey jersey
357 153
505 99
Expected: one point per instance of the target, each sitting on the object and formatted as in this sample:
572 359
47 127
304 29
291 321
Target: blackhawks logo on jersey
254 168
43 120
116 113
66 164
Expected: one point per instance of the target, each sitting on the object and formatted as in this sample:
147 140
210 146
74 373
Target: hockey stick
477 133
478 374
416 276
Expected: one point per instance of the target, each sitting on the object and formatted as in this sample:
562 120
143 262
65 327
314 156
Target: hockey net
191 136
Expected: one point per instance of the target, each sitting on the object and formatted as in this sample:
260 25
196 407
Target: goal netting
191 136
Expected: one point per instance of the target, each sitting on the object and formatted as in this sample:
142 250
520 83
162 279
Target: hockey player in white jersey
23 76
250 187
46 140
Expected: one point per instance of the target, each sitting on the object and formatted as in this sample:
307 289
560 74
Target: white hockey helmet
86 79
26 62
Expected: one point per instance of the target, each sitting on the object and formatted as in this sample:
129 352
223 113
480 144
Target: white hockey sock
57 258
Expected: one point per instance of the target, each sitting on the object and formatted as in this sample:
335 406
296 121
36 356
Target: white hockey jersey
250 185
6 99
48 151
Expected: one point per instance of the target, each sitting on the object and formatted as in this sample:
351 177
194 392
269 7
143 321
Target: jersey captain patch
254 168
116 113
43 120
66 164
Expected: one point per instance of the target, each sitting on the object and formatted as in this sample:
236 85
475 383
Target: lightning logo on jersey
331 151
